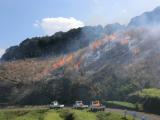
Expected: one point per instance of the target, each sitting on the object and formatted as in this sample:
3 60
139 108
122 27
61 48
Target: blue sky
20 19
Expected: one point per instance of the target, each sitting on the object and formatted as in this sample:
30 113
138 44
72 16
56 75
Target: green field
65 114
124 105
121 104
151 93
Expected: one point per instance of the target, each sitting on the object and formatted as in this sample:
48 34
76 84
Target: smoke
140 43
145 40
2 51
146 19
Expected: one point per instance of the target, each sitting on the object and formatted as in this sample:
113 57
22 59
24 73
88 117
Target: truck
97 106
55 105
79 105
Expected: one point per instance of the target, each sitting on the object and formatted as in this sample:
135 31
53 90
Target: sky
21 19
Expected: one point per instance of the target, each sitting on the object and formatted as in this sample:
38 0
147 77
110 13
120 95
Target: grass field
121 104
65 114
124 105
152 93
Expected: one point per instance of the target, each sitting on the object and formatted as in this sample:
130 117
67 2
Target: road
138 115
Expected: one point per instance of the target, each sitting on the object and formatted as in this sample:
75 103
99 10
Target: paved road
138 115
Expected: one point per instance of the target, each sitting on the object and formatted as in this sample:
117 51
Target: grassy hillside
149 98
150 93
120 104
66 114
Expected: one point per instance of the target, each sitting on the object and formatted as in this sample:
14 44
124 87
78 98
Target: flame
61 62
125 42
112 37
69 58
98 43
93 46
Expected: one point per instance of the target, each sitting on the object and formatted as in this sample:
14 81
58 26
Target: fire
98 43
59 63
94 46
63 61
125 42
69 58
112 37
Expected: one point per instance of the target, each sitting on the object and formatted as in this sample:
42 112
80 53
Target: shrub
66 114
102 115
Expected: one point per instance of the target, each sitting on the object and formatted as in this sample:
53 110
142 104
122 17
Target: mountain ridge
150 18
59 43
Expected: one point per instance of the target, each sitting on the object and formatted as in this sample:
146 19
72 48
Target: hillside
108 68
87 63
149 98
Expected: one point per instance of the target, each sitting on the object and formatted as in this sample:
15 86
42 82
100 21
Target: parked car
79 105
55 104
97 106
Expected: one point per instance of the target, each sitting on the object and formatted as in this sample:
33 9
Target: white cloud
53 25
2 51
